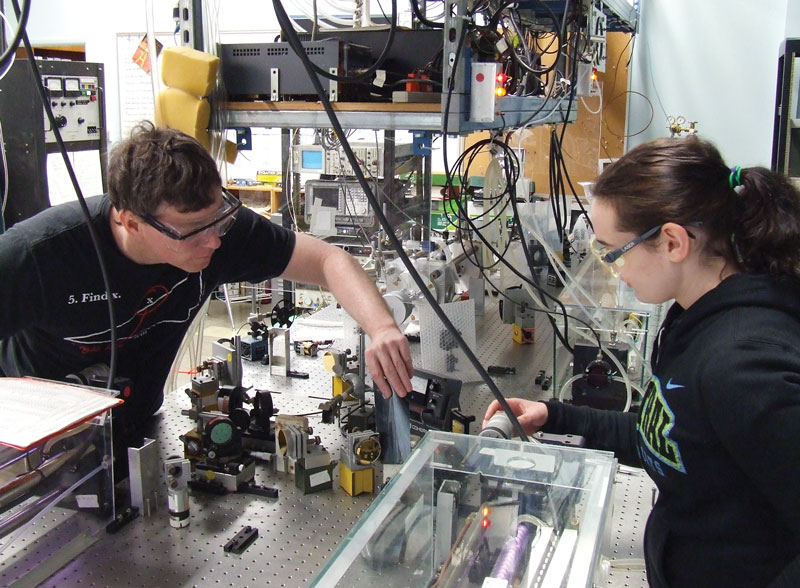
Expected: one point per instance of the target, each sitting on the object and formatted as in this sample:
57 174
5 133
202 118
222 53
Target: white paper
36 410
85 164
323 219
87 501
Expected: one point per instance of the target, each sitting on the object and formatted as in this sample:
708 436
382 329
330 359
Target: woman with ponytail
719 426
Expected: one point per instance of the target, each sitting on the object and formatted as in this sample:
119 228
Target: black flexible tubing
555 204
557 32
448 185
558 146
560 33
22 24
536 286
473 151
296 45
551 313
421 17
473 250
573 79
563 337
301 52
37 77
511 182
574 192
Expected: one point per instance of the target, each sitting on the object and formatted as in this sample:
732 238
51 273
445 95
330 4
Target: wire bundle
510 558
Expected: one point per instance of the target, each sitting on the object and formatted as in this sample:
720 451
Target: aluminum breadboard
633 498
297 533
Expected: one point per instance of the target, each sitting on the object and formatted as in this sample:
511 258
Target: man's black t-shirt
54 318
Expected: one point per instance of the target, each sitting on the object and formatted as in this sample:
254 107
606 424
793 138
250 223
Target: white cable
343 6
5 176
556 262
13 55
290 172
228 306
599 94
308 11
317 323
296 26
152 52
628 387
623 377
571 283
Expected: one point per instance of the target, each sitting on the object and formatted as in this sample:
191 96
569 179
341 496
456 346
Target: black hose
295 43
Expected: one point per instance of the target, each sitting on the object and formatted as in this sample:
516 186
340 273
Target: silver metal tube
20 485
18 519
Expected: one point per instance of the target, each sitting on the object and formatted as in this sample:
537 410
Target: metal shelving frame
786 129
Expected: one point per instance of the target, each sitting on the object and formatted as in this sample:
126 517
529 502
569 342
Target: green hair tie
735 177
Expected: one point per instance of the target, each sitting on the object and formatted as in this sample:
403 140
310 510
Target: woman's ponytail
766 231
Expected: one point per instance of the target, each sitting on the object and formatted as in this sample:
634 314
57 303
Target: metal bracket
143 473
279 363
274 84
333 87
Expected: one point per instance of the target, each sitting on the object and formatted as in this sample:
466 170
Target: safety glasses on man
219 222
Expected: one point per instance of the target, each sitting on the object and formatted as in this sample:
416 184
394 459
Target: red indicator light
502 78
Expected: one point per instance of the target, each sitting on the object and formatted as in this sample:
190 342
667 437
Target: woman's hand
531 414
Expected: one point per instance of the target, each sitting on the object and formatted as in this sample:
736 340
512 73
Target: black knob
81 120
61 121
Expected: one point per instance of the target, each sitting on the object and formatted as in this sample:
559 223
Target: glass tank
465 509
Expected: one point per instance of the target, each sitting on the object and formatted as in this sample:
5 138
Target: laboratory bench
298 533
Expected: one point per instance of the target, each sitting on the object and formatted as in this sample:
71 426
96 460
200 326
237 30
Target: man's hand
389 362
532 415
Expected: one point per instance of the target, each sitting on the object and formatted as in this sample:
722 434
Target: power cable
22 19
301 52
421 17
37 77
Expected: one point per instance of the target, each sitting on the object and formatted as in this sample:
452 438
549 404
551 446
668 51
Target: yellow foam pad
189 70
203 137
177 109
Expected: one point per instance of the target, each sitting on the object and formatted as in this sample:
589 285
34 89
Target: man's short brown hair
158 166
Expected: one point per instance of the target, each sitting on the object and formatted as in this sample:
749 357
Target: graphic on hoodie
656 420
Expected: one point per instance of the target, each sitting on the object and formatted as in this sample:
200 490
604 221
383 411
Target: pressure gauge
72 87
55 87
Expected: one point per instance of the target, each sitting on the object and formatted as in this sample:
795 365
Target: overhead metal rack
512 111
418 117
